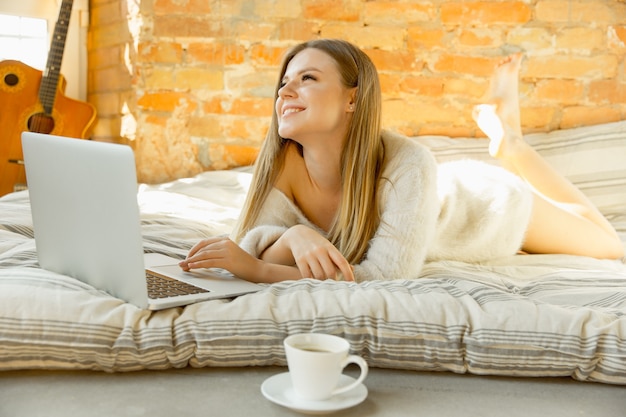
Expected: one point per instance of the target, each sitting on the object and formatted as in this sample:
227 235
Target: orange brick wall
189 83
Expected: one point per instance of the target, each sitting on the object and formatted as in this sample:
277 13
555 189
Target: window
26 28
24 39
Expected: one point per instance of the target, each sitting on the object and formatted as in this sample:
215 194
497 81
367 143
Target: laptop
83 197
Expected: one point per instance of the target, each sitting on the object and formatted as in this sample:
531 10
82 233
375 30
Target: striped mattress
526 315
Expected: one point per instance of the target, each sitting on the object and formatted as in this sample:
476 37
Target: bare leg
563 218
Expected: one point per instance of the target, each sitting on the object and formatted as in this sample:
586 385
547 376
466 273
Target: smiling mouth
291 111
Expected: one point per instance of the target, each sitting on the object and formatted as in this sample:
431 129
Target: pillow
591 157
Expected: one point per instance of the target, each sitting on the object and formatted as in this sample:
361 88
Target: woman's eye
305 77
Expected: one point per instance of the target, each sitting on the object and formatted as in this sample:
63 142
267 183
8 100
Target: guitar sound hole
11 80
40 123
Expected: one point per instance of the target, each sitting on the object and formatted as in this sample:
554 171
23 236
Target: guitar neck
50 77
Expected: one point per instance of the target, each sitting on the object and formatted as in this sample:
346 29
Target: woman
333 196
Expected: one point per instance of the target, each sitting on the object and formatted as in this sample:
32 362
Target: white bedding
531 315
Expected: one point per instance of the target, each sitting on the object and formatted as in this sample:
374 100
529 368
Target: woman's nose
286 90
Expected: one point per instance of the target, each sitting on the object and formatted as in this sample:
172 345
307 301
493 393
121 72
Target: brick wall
189 83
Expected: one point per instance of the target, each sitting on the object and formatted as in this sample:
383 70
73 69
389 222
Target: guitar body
21 110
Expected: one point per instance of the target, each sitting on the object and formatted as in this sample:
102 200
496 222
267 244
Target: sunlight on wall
128 127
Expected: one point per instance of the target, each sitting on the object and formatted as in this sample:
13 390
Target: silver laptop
83 197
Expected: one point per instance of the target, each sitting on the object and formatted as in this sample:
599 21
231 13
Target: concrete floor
236 392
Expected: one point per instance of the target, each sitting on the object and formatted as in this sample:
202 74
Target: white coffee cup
316 362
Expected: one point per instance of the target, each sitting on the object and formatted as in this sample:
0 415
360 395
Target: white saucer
279 390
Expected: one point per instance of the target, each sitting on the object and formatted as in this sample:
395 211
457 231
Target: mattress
523 315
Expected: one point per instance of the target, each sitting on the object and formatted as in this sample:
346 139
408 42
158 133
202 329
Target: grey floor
236 392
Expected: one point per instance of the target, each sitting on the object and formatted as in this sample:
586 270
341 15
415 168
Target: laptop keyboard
162 287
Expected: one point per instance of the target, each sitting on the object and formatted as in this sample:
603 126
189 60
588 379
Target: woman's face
313 105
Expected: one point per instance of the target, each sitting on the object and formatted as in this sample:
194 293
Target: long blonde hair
361 160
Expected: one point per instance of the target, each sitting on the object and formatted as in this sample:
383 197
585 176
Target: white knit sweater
463 210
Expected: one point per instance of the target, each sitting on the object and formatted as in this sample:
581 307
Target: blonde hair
362 155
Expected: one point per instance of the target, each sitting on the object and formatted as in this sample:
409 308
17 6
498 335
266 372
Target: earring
351 107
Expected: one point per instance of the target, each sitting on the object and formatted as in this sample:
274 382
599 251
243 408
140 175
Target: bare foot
499 118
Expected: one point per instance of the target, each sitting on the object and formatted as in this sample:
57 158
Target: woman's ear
351 104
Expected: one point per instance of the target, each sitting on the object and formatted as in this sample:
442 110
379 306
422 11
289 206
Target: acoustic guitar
31 100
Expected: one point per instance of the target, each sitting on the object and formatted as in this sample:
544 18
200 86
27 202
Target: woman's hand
314 255
221 252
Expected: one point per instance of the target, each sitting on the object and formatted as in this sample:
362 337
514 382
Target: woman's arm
283 235
284 245
221 252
